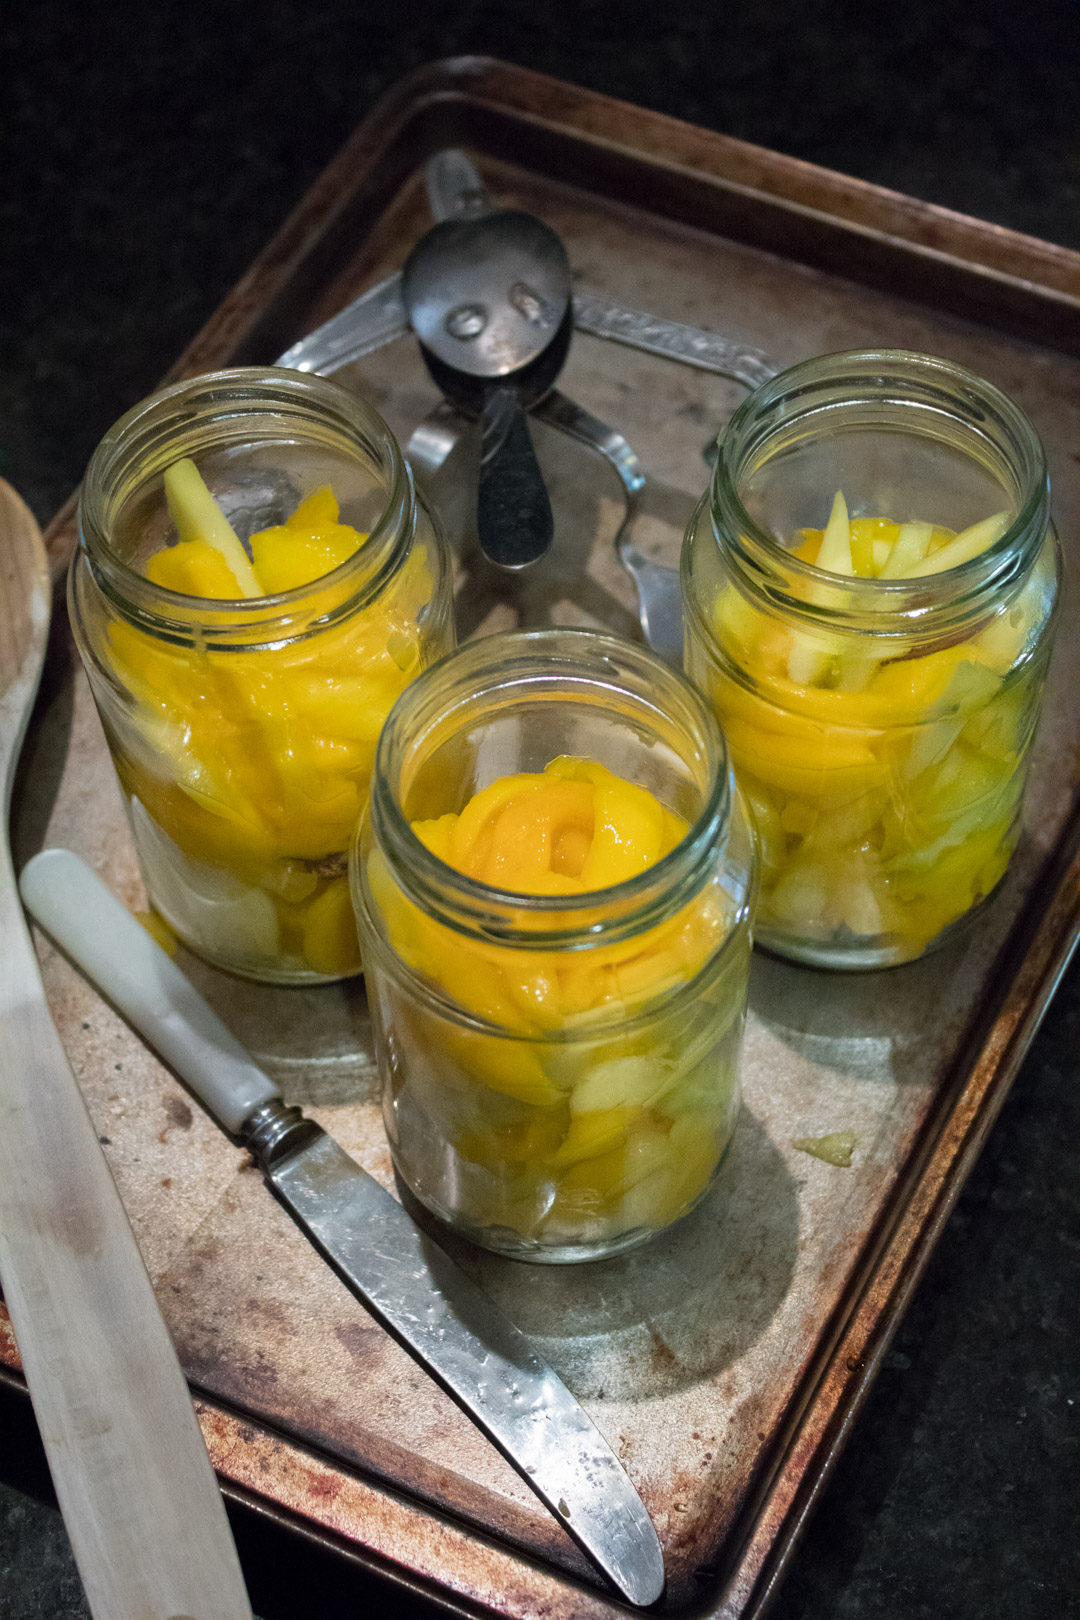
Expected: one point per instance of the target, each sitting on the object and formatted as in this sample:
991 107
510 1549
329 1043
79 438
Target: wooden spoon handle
135 1486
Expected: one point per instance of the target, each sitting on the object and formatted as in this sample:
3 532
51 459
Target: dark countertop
148 158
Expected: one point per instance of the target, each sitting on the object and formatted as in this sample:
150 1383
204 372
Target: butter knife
404 1278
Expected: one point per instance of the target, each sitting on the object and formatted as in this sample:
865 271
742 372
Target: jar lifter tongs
379 315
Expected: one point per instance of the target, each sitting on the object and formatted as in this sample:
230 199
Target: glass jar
879 722
243 731
559 1069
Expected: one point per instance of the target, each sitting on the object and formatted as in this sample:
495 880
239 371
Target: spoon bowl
487 295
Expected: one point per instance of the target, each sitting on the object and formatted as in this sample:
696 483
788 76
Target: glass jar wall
256 582
869 592
553 883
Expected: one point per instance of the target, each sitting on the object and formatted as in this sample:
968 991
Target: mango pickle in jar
256 582
553 883
869 589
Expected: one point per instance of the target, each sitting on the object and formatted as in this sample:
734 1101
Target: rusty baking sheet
726 1360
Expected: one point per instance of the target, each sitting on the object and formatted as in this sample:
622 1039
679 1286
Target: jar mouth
244 405
860 390
528 666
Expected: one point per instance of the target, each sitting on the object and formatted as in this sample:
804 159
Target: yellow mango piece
573 828
628 834
285 559
834 553
291 881
194 568
676 1173
159 931
809 545
591 1186
535 989
518 1142
331 945
254 760
310 543
585 984
519 846
471 978
836 1147
971 542
436 833
910 546
510 1067
481 809
831 766
319 510
863 533
592 1134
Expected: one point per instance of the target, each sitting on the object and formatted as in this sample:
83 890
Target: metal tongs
379 315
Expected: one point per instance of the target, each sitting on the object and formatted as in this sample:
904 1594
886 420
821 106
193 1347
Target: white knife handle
78 911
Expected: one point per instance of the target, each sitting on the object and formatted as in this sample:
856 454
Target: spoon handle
513 512
455 190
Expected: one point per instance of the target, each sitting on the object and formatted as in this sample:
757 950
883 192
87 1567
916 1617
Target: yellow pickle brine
870 588
553 883
256 583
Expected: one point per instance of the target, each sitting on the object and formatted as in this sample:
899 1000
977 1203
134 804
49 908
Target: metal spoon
489 299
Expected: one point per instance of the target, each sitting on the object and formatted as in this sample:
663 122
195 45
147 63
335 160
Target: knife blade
400 1273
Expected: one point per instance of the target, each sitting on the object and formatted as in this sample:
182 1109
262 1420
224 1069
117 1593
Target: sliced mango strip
909 548
968 544
835 552
198 517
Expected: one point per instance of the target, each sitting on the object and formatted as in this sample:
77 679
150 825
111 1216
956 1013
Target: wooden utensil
135 1486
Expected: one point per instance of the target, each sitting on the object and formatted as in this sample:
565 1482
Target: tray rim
1025 283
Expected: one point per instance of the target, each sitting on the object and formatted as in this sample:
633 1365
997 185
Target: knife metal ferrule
276 1130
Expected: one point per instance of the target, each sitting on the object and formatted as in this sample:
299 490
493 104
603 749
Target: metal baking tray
726 1360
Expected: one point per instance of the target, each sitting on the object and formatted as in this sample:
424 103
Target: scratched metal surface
693 1354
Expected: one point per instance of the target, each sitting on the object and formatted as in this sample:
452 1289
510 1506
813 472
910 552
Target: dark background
147 156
